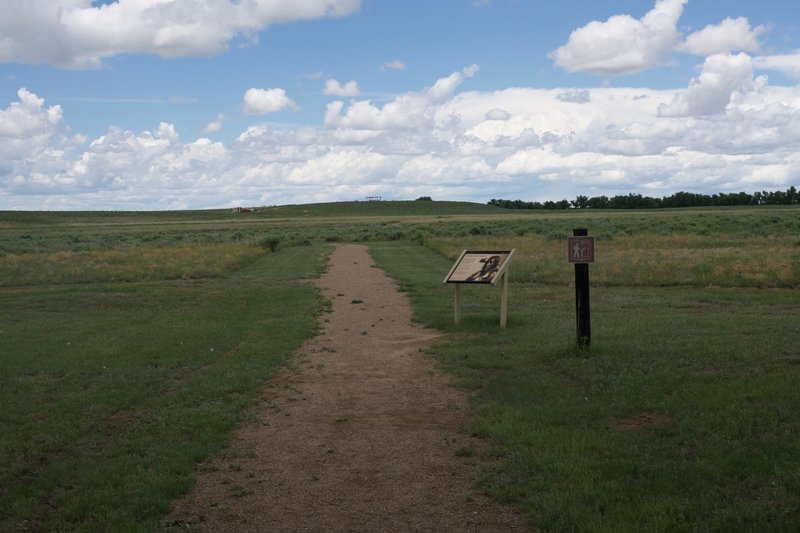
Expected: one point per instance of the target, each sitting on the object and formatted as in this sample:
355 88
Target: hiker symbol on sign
580 249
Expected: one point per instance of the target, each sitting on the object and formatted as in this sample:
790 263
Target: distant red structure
244 209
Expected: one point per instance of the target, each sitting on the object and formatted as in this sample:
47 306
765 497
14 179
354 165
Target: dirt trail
362 433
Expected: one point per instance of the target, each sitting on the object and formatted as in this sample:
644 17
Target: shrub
270 243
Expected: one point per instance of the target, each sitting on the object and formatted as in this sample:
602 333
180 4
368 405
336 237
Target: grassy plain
132 344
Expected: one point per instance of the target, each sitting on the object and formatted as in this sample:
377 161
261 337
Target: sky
195 104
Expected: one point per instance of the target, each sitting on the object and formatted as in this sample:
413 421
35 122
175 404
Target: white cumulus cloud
28 117
263 101
394 64
623 44
215 125
786 63
730 35
407 111
81 33
334 88
28 130
711 92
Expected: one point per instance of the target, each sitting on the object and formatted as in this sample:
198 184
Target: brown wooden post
584 328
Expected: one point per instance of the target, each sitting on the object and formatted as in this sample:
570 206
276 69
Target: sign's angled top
479 266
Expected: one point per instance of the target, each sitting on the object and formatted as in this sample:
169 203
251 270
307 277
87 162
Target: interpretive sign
479 266
483 267
580 249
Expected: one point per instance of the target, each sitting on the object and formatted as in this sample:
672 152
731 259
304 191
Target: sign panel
479 266
580 249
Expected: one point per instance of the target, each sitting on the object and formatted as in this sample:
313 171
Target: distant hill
380 208
398 208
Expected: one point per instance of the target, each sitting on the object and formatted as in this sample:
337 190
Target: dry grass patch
141 264
651 260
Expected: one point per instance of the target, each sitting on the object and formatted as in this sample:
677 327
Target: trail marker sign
580 249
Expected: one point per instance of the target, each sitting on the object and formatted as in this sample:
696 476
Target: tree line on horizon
680 199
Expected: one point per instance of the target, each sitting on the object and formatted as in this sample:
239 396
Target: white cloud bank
727 131
81 34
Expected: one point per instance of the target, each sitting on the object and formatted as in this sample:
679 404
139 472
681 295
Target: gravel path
360 433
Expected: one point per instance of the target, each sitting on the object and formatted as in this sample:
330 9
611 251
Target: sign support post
581 252
457 302
504 301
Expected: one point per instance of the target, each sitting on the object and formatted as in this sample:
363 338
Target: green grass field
132 344
111 393
682 416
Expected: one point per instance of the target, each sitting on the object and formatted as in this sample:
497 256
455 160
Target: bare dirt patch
360 433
